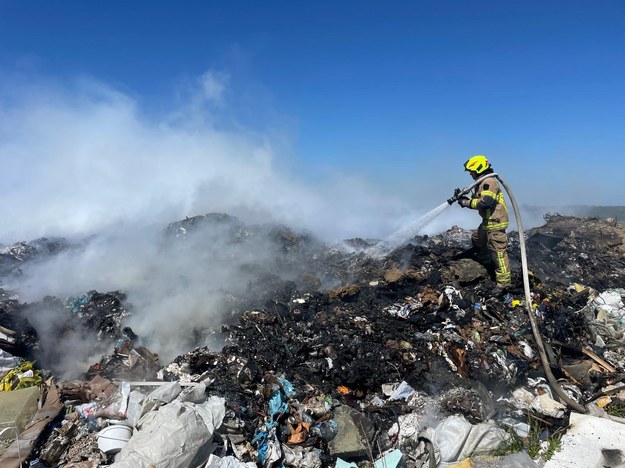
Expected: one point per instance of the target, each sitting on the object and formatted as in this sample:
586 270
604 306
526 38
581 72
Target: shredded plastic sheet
162 395
546 405
227 462
287 387
402 392
266 439
172 436
457 438
453 440
403 309
269 450
542 403
134 408
277 405
451 296
300 457
166 393
7 361
406 429
193 393
610 302
77 303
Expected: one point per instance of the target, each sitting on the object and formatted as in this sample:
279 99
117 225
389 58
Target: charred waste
327 356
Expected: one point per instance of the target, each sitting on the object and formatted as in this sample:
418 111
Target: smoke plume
87 162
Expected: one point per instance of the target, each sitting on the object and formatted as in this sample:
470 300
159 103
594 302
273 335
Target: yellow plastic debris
22 376
466 463
515 303
603 401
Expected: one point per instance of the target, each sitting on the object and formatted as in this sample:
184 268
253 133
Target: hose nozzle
455 197
460 192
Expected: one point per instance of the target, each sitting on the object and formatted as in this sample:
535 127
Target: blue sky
397 94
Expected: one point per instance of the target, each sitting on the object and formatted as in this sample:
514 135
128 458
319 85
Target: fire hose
553 383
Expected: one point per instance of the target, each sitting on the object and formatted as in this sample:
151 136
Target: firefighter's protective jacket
489 201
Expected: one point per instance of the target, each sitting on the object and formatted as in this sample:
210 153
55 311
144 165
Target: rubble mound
13 257
570 249
335 355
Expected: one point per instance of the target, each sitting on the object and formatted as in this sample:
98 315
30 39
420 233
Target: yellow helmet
477 164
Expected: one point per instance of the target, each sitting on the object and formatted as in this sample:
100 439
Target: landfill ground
332 357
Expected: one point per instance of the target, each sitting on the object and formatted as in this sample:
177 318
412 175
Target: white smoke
85 159
214 85
78 160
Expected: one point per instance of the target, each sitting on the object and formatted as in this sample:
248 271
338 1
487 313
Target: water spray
403 235
458 193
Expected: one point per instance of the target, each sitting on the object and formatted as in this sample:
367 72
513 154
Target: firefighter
489 239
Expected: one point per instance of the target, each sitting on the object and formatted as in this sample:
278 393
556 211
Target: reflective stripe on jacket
489 201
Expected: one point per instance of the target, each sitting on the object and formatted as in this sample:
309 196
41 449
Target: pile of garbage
13 257
416 359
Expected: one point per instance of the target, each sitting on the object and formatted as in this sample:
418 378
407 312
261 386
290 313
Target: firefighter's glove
464 202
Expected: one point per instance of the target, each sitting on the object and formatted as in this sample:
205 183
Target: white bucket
111 439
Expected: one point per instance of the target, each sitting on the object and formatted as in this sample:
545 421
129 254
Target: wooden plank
588 352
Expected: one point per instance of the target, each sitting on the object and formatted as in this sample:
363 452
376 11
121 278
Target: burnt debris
330 354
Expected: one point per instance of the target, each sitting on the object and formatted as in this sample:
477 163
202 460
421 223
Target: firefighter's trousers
491 250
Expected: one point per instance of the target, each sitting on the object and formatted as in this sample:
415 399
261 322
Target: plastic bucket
111 439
